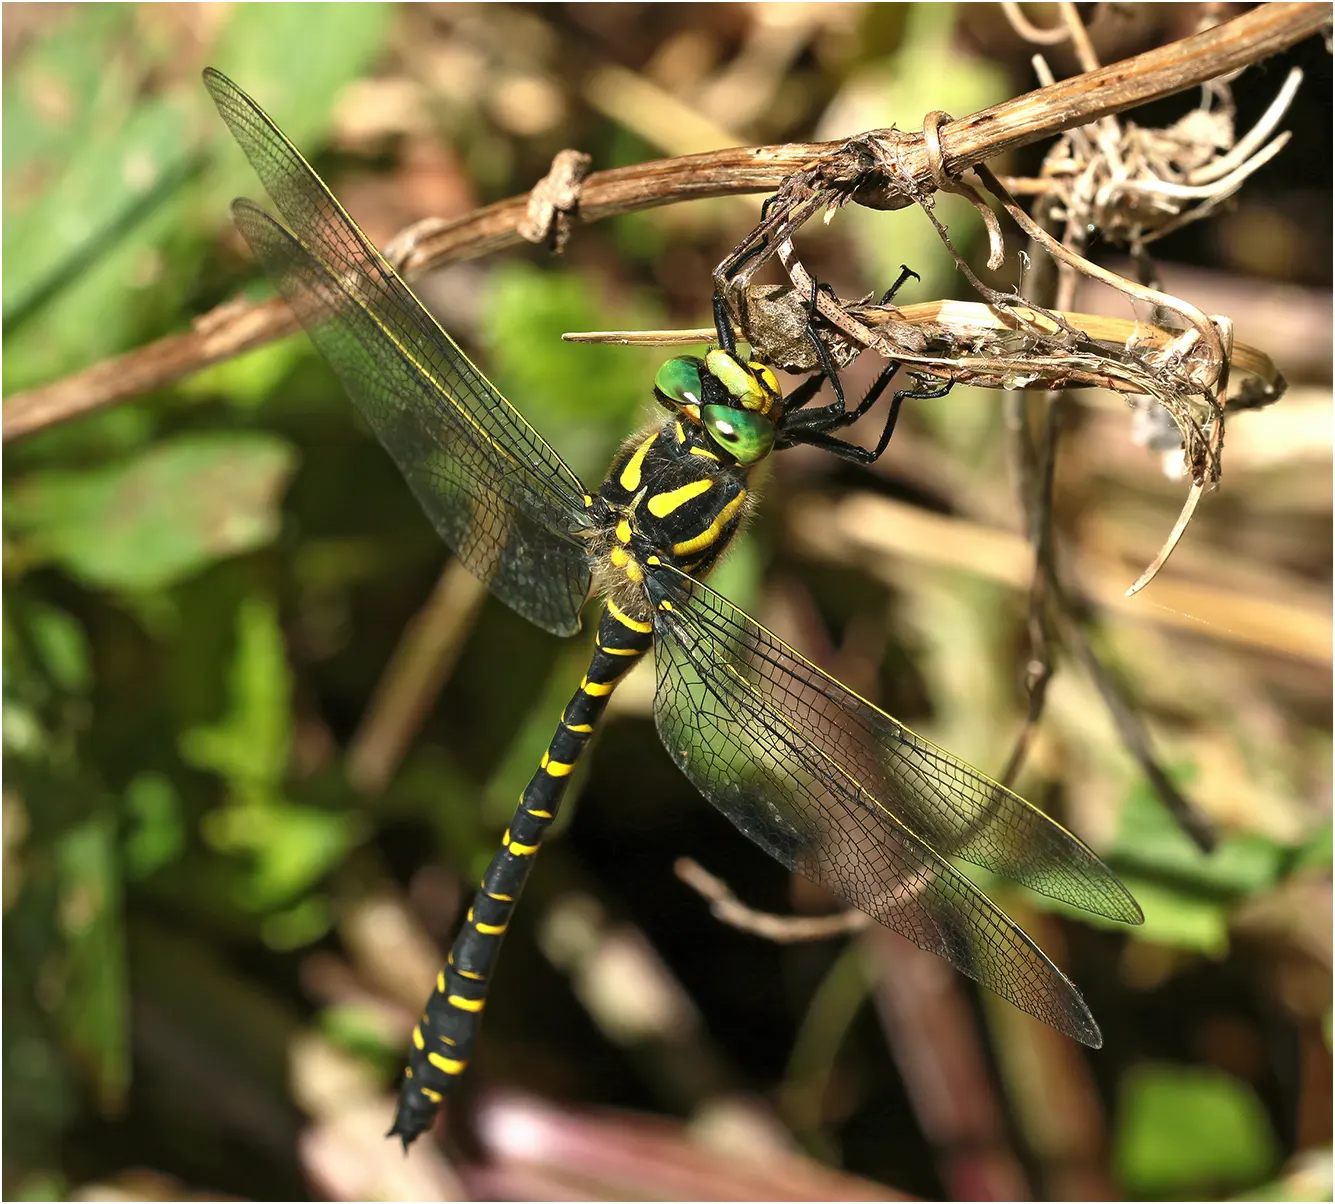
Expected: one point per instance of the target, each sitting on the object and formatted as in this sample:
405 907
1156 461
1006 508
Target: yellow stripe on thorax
663 504
630 475
713 531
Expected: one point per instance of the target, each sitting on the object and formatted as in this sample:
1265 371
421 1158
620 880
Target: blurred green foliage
1186 1132
109 527
1187 894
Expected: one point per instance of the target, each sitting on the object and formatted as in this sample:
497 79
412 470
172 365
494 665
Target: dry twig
238 327
726 907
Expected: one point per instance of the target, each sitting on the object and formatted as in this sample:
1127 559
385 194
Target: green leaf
102 191
359 1029
56 87
1189 1132
1187 895
152 520
93 1009
42 1185
248 381
299 925
1152 844
281 847
1315 852
249 746
257 48
100 239
156 834
284 848
62 646
1179 918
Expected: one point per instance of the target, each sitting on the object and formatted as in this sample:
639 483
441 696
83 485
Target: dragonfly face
820 778
738 403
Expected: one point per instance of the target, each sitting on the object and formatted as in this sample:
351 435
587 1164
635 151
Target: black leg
834 417
851 451
837 447
921 393
819 437
827 366
803 394
904 273
873 395
723 325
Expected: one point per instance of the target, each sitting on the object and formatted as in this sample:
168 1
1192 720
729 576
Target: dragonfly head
737 402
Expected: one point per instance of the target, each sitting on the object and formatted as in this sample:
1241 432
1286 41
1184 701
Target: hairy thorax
668 495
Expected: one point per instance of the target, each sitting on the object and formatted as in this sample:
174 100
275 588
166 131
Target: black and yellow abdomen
443 1040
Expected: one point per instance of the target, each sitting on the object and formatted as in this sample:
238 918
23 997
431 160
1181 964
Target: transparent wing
840 792
494 489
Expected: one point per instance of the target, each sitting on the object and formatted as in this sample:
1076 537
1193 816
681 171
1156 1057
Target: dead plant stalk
240 326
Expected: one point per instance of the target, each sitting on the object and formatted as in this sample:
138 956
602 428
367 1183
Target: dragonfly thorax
671 497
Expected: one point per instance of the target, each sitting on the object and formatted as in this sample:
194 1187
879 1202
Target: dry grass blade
979 324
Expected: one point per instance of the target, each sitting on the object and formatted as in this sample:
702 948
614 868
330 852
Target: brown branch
727 908
240 326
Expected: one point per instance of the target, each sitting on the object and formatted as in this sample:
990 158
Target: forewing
494 489
841 793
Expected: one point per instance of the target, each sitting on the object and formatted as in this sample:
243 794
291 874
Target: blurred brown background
237 838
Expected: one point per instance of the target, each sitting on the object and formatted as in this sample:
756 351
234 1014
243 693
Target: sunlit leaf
256 47
63 647
103 190
250 744
1151 842
1189 1132
281 847
1180 918
285 847
151 520
155 832
306 921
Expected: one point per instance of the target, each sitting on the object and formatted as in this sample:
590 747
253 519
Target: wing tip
1091 1037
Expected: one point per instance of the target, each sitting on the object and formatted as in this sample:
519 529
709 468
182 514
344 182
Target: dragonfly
821 779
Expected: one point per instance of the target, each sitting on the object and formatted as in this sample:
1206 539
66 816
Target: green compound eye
746 437
679 380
